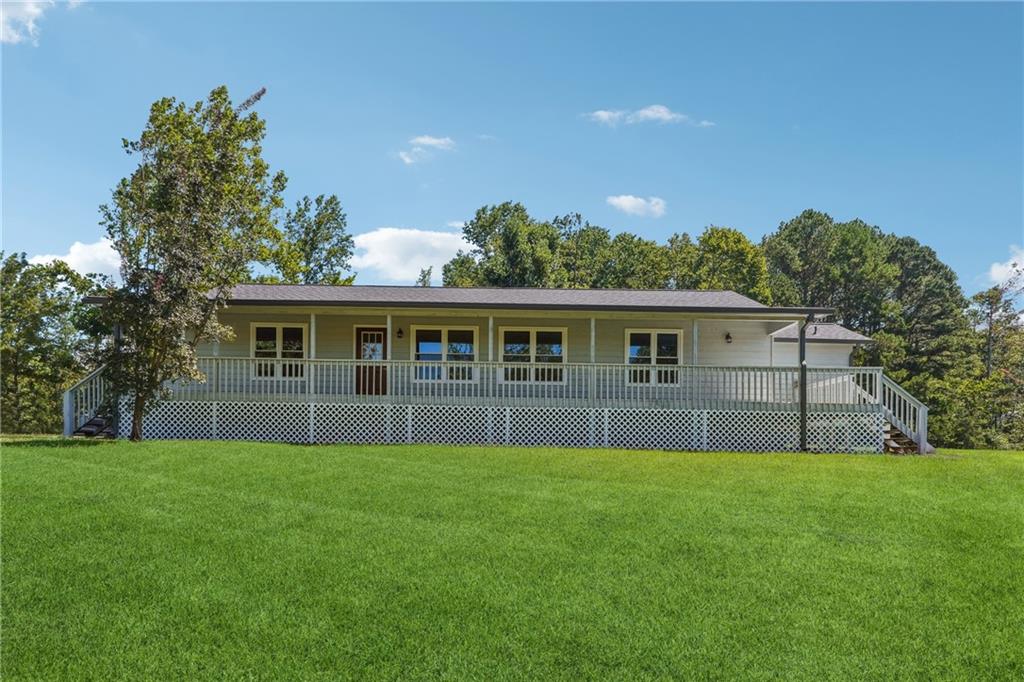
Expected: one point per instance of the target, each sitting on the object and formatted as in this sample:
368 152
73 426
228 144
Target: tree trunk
138 406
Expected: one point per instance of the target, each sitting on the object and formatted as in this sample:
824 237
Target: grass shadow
37 441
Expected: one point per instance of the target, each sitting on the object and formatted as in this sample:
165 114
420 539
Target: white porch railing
905 412
525 384
83 401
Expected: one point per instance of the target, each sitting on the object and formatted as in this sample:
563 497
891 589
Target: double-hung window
279 348
436 347
542 347
653 355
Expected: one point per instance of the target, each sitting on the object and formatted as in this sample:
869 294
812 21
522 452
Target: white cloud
653 113
1000 272
606 116
85 258
457 224
658 113
653 207
397 254
435 142
422 145
18 20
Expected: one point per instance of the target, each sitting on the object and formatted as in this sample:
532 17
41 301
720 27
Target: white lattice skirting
637 428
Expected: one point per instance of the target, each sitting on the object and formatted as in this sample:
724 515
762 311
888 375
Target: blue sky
907 116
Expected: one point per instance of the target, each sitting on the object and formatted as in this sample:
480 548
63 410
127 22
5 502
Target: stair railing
905 412
83 401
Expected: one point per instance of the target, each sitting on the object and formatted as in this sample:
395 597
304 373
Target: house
668 369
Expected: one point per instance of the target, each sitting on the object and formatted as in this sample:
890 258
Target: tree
424 279
48 334
633 263
681 257
798 257
511 249
726 259
583 252
315 247
187 222
461 271
993 311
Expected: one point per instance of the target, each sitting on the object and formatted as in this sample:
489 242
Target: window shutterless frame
279 362
654 355
542 368
435 368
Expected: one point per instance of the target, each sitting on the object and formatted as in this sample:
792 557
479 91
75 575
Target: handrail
905 412
526 384
84 399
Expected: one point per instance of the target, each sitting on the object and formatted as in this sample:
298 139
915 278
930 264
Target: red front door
371 344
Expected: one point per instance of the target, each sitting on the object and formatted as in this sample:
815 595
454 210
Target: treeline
202 209
962 356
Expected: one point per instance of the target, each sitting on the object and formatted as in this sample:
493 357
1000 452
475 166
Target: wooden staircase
898 443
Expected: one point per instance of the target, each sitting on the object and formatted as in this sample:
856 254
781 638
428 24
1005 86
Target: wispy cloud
397 254
19 19
653 113
422 146
1000 272
99 256
653 207
434 142
457 224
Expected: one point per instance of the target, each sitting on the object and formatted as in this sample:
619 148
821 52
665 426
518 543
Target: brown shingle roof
485 297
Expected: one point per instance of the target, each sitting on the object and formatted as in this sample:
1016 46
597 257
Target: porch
526 403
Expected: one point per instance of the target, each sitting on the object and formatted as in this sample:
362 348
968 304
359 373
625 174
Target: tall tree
726 259
187 222
994 313
681 257
49 338
424 279
315 247
583 252
633 263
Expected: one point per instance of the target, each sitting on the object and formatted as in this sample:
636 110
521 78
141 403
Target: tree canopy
187 223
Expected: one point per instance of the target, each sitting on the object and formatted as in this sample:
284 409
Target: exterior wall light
400 333
728 337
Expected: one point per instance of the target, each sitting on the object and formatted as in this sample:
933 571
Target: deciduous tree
188 221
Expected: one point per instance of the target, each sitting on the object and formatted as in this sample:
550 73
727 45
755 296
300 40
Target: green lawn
227 560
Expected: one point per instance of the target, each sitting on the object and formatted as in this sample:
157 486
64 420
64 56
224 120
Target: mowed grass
185 560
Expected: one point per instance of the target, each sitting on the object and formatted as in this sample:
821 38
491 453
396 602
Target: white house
669 369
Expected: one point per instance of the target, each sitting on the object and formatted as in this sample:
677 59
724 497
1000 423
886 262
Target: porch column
593 340
312 336
693 342
803 384
387 346
490 338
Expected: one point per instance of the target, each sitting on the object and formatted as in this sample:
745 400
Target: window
444 345
648 351
278 344
543 347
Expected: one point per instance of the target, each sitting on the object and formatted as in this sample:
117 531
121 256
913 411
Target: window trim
444 329
653 365
280 348
533 352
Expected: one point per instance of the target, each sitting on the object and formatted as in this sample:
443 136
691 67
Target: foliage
49 339
315 247
726 259
424 278
187 223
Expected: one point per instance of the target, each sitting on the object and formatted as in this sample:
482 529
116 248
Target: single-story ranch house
669 369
